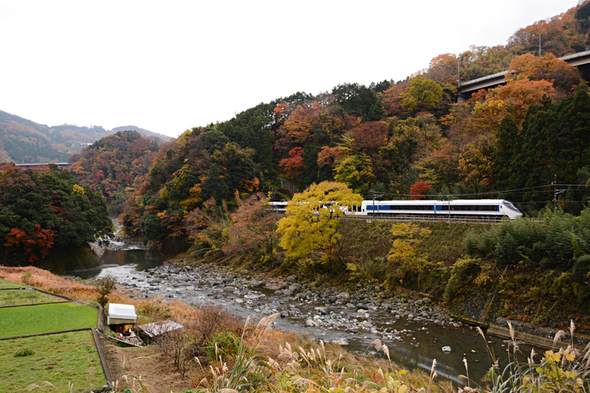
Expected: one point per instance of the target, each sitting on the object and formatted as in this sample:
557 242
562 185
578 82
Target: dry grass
267 360
43 279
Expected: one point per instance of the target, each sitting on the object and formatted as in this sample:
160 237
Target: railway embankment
533 273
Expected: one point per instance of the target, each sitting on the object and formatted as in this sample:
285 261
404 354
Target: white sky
167 66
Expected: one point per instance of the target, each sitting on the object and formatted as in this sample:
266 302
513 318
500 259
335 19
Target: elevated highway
580 60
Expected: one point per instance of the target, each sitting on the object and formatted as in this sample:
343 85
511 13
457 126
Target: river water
412 343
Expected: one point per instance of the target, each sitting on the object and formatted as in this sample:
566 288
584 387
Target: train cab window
510 206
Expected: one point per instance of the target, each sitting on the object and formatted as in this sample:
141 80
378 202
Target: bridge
580 60
44 166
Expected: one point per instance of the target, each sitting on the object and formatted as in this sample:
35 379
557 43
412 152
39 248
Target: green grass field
10 284
57 359
20 321
15 297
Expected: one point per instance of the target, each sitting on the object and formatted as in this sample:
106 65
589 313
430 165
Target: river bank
414 328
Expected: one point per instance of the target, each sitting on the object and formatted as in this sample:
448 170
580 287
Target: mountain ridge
25 141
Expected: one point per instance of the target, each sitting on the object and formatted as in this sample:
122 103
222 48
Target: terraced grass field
45 318
58 359
14 297
9 284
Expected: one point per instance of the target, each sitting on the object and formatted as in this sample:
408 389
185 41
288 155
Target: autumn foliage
46 213
400 139
34 244
419 188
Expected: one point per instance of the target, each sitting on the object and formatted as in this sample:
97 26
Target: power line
487 193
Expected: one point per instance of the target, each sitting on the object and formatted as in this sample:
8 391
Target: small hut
121 320
121 314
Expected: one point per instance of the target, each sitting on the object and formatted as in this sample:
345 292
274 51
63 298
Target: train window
410 207
488 208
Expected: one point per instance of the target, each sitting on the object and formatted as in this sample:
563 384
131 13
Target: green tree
424 95
214 186
354 99
309 227
508 144
43 214
354 171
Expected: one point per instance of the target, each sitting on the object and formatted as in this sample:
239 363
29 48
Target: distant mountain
142 131
24 141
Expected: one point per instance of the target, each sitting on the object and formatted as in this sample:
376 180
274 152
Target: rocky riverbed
414 328
365 311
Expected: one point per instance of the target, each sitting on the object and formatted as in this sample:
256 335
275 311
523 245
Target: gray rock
340 342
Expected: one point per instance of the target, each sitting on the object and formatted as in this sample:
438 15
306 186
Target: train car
461 208
280 206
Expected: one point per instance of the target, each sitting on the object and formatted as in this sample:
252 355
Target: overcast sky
167 66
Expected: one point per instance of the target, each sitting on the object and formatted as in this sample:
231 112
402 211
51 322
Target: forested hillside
47 217
24 141
115 165
389 140
395 140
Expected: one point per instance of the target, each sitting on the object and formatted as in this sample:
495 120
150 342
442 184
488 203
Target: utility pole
459 72
556 192
540 34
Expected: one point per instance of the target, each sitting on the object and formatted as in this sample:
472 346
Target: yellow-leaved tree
404 253
312 218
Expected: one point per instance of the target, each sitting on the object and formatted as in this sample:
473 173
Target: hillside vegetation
391 140
48 219
203 193
115 166
24 141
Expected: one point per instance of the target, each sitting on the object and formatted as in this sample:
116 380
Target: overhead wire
546 188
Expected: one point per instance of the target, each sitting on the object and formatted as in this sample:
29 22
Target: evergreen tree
214 186
504 167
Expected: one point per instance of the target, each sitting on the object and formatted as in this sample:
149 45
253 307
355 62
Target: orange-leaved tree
252 236
563 76
35 244
419 188
294 164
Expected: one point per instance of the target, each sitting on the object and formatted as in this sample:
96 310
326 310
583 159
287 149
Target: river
413 339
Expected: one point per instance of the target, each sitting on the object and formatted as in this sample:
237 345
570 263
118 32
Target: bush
26 278
555 241
223 345
461 271
581 272
507 252
104 287
24 352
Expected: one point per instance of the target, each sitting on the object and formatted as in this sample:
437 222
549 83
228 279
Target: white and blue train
494 209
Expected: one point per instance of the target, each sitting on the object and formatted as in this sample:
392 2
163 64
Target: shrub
24 352
555 241
26 278
104 287
460 273
223 345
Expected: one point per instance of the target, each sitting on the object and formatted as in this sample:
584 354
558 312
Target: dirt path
131 366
